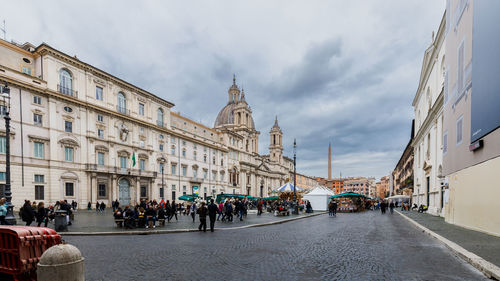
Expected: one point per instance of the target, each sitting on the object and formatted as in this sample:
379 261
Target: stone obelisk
329 161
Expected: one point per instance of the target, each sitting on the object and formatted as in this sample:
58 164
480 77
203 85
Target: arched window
65 82
159 117
122 103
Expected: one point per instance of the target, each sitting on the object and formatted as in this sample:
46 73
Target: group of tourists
100 208
32 212
384 205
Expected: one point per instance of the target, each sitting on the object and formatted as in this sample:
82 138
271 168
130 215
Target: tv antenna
4 31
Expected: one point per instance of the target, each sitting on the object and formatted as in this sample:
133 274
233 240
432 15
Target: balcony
67 91
121 171
123 110
195 180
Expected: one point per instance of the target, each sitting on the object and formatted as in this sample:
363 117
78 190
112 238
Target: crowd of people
32 212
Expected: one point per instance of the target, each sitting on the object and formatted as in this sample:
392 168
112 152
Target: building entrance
124 192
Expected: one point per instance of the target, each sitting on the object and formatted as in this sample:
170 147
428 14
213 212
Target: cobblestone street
361 246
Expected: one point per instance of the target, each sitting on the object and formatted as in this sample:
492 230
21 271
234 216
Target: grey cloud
333 72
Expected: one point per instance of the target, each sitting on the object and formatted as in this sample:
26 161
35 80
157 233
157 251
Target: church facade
79 133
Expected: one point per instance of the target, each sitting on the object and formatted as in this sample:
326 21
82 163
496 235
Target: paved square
360 246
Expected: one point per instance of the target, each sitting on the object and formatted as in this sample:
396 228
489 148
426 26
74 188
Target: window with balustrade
65 82
122 103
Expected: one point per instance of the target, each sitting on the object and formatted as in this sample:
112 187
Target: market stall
350 202
319 198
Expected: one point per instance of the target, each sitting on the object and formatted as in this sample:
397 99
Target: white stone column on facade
137 190
114 188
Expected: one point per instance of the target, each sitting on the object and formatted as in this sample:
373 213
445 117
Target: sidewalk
483 245
92 222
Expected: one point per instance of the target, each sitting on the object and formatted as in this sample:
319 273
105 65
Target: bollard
62 262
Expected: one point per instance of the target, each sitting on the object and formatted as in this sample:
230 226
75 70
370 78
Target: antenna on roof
4 31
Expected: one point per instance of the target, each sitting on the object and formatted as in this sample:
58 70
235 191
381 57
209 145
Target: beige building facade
472 173
79 133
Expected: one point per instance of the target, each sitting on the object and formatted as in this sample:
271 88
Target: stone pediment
68 141
263 167
427 166
101 147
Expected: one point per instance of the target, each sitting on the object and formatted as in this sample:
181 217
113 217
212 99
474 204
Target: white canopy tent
319 198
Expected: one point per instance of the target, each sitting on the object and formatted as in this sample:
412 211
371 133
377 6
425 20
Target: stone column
93 191
114 188
138 189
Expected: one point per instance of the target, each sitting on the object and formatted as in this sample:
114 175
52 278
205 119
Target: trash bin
61 224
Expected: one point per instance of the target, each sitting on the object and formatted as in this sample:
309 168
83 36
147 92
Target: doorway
124 192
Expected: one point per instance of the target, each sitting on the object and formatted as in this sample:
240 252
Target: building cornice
53 94
430 59
44 49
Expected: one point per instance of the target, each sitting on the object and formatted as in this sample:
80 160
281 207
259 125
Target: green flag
133 159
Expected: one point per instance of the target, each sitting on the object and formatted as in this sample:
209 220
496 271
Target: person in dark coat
212 214
161 213
150 216
202 212
28 214
259 207
383 206
97 207
89 206
173 211
42 215
66 207
391 207
129 216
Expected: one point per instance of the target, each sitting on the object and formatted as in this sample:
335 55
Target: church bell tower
276 143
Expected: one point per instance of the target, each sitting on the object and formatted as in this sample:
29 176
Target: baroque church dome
226 115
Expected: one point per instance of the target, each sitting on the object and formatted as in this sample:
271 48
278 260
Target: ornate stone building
79 133
255 174
428 142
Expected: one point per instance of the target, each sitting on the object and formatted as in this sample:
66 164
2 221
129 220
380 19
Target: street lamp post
163 160
8 194
296 208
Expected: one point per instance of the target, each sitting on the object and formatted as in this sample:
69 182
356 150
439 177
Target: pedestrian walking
27 213
202 212
3 212
259 207
391 207
221 210
193 211
330 208
97 207
212 213
229 211
42 215
173 211
383 206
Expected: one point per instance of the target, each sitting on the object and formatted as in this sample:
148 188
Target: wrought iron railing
67 91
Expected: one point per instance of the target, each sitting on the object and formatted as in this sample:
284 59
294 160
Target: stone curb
489 269
150 232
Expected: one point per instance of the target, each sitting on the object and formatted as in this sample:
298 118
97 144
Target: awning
349 194
288 187
188 197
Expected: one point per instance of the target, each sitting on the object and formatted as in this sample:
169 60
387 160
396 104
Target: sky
339 72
